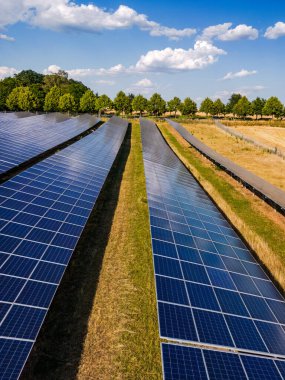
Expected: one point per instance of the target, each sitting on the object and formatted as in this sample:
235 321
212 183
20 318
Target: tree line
31 91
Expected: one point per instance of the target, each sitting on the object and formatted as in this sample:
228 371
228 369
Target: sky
176 48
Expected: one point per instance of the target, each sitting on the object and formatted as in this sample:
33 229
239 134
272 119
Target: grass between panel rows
103 320
257 222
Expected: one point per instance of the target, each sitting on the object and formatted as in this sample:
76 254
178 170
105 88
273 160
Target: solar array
43 212
210 288
24 138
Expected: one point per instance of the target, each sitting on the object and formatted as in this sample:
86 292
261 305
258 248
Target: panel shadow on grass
57 351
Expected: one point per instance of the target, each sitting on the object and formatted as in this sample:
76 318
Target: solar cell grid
221 275
47 131
43 221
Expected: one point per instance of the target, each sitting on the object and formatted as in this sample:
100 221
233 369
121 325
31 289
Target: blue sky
186 48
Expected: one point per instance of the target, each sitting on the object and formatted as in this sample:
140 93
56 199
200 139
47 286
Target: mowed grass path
258 223
103 321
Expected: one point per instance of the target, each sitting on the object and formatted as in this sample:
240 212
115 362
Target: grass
254 123
260 226
262 163
103 320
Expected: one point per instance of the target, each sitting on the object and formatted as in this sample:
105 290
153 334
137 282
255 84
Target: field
273 137
266 165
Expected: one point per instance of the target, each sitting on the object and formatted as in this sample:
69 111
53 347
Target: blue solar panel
184 362
47 132
232 302
41 234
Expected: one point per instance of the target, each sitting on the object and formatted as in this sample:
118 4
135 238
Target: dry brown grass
266 165
258 223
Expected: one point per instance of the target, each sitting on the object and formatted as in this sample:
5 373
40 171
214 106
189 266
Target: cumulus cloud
7 71
144 87
106 82
6 38
276 31
225 32
167 60
52 69
200 56
240 74
67 15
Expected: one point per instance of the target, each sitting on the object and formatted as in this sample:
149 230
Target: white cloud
67 15
224 32
276 31
248 91
6 38
167 60
144 83
240 74
174 60
52 69
7 71
144 87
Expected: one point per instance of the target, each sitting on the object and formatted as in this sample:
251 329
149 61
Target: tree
173 105
6 87
87 102
39 94
243 107
102 103
52 99
139 104
273 107
12 101
188 107
257 107
28 77
122 103
207 106
52 80
219 107
75 88
27 100
156 105
67 103
232 102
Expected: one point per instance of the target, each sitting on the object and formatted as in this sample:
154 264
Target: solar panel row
184 362
24 138
210 289
43 212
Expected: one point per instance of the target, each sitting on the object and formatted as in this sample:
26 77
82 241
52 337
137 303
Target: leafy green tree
257 107
12 101
67 103
219 107
243 107
103 103
207 106
139 104
87 102
232 102
51 103
58 80
188 107
39 94
173 105
27 100
28 77
122 103
273 107
75 88
6 87
156 105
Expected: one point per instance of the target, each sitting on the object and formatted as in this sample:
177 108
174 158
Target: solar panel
185 363
227 299
25 138
43 211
